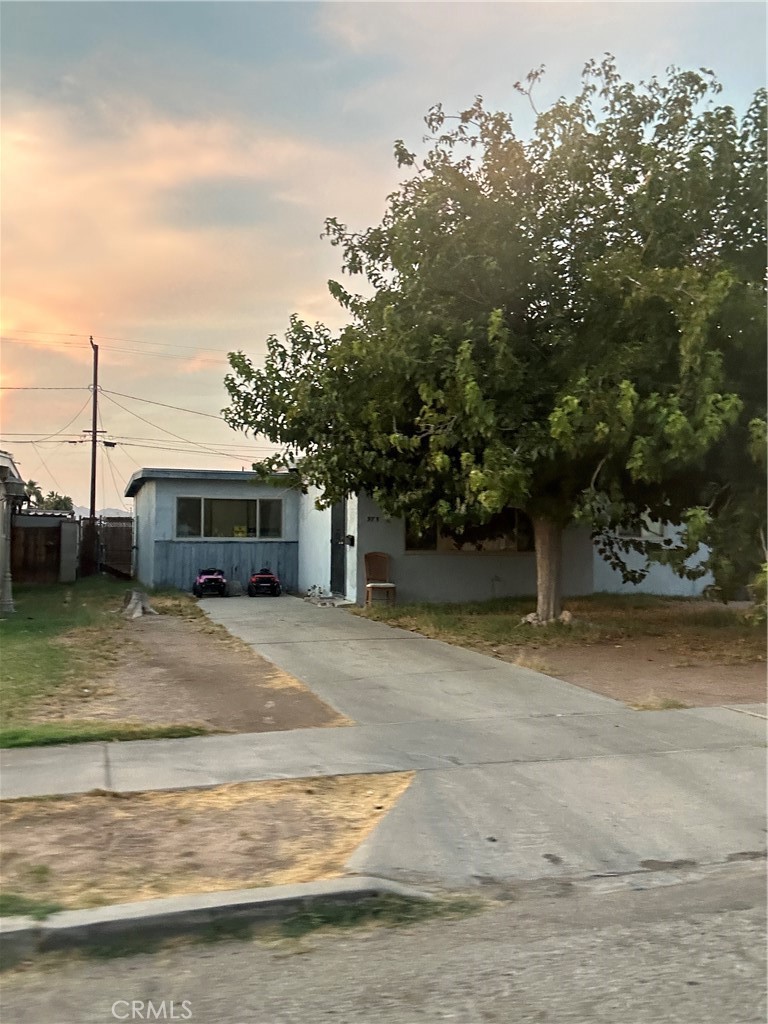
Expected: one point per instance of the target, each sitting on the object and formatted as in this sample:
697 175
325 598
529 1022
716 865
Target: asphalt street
691 953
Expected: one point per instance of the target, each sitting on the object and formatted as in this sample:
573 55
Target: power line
118 492
124 341
58 432
178 437
185 451
25 437
106 454
210 361
149 401
120 394
224 444
39 341
45 467
40 460
129 455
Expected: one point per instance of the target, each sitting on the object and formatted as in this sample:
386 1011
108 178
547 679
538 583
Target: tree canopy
33 492
55 502
570 324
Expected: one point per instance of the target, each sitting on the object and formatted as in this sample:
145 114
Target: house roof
45 513
143 476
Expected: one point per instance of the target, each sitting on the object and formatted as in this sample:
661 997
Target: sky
167 168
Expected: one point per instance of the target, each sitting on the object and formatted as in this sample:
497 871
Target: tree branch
595 475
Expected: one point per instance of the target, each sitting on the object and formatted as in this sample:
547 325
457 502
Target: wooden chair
377 577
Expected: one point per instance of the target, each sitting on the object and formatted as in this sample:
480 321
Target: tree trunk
548 537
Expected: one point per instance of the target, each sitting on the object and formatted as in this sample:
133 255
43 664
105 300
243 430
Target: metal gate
116 546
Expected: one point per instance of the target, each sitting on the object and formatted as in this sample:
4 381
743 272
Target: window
426 541
651 531
188 517
270 518
223 517
229 517
509 531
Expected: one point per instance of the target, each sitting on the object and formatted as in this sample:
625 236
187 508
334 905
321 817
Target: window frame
202 536
651 531
453 551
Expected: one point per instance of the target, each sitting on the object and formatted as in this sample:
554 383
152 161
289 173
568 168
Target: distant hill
81 512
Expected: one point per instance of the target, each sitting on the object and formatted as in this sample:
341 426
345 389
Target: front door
339 548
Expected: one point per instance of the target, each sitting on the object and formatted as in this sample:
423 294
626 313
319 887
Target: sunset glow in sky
167 168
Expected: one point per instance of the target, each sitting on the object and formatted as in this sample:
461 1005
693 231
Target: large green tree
570 324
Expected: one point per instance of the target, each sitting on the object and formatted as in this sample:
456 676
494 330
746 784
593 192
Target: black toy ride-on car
210 581
264 582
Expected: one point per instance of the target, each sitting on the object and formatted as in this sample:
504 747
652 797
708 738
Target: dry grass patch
655 703
102 848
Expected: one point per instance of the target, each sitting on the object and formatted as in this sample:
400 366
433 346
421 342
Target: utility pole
94 431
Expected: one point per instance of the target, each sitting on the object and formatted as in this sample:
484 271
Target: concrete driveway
519 775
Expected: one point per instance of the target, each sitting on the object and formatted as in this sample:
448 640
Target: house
188 519
426 568
12 495
434 569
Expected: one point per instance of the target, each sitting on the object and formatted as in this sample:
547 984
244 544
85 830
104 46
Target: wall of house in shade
144 533
661 579
464 575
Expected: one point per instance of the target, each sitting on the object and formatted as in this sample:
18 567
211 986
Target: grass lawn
60 637
695 627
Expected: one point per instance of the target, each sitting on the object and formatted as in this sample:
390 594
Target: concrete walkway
519 775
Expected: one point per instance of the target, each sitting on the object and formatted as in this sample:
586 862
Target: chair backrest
377 567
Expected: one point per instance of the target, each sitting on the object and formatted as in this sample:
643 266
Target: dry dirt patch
648 652
647 672
102 848
185 670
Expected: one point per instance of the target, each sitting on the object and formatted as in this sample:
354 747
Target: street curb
215 913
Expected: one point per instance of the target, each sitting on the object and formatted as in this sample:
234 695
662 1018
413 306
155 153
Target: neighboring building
45 546
12 495
186 520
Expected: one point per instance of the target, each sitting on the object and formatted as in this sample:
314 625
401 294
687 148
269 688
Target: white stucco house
189 519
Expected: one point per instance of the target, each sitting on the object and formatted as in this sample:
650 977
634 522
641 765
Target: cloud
167 168
99 236
104 233
449 52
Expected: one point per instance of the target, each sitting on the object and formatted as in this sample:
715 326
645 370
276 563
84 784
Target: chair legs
390 596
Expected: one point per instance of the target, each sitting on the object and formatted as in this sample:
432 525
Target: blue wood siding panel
177 562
